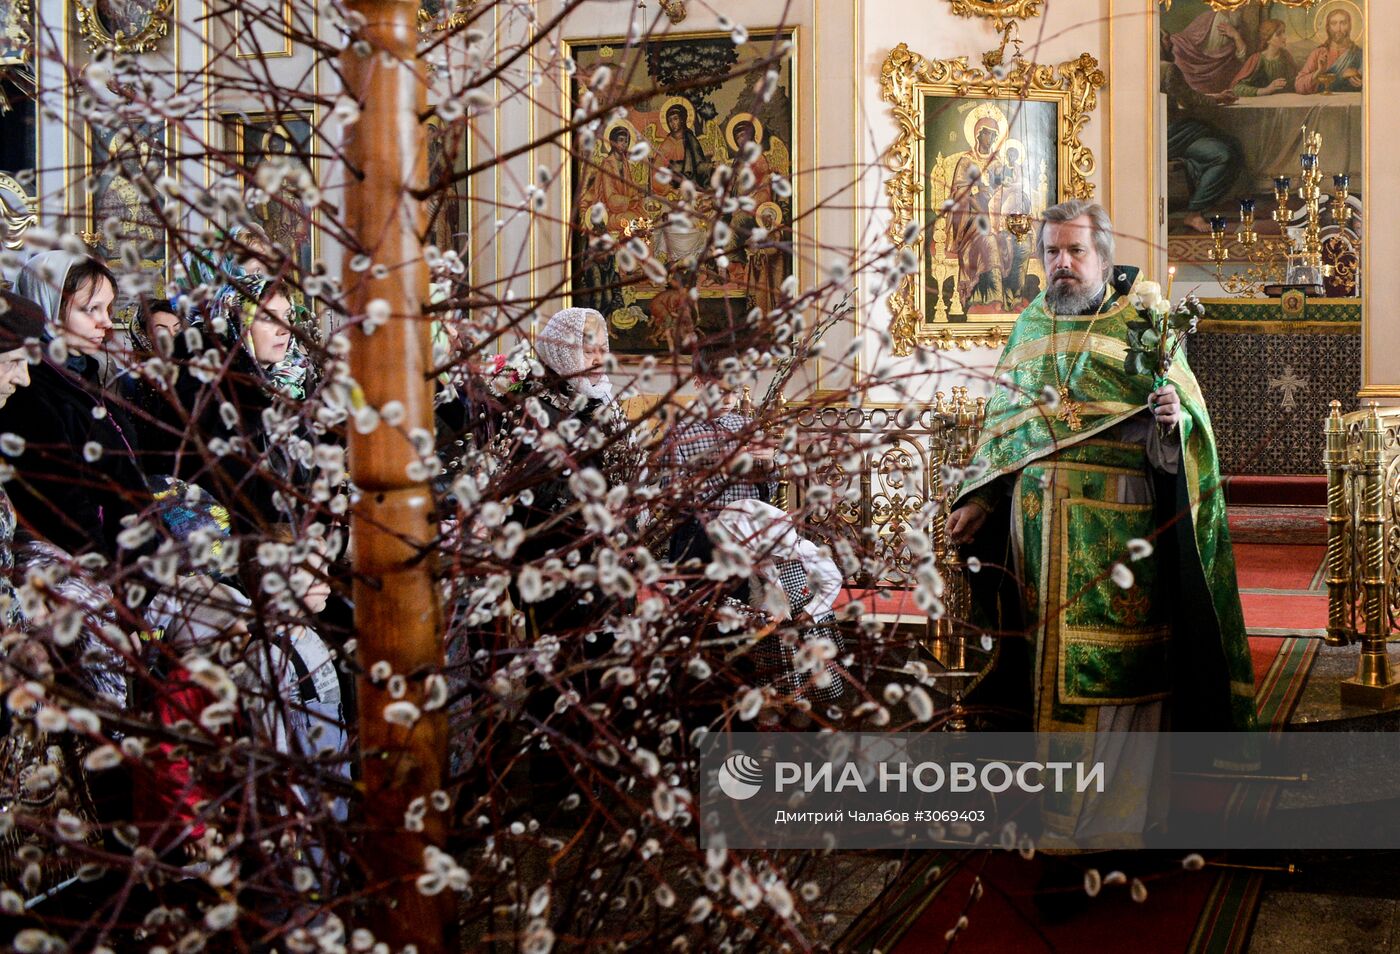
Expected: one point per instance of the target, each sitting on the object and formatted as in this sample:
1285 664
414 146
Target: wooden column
397 617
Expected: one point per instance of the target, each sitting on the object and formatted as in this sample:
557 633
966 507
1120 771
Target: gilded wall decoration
438 15
448 210
124 162
980 153
123 26
999 11
19 210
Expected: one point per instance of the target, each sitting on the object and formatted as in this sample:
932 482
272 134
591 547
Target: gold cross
1069 411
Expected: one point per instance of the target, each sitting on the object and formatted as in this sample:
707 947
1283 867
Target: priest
1094 504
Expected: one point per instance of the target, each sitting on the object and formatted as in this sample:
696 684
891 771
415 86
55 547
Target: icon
740 776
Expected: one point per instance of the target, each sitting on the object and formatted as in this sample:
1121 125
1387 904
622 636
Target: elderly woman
79 471
577 400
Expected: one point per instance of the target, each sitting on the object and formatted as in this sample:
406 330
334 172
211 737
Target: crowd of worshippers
149 485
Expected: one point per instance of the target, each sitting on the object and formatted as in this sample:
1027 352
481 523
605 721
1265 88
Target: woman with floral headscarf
233 358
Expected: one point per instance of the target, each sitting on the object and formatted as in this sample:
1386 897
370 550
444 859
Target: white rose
1146 295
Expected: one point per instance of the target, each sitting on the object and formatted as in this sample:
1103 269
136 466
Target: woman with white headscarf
79 468
577 402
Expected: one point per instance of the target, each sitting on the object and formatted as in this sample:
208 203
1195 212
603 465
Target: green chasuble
1079 497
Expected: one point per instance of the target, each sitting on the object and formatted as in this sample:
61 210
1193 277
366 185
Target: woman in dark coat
78 472
229 378
578 404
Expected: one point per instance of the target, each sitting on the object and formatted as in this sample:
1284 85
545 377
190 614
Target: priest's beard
1076 299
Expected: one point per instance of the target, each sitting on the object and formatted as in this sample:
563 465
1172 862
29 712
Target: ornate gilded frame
95 34
999 11
1226 6
906 80
18 24
20 211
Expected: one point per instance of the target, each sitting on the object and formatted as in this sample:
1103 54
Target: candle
1282 183
1217 224
1341 181
1309 161
1171 273
1246 207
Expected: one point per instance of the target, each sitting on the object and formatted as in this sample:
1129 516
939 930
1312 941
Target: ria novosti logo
740 776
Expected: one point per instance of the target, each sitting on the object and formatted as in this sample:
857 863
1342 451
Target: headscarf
560 347
231 316
41 281
141 341
212 268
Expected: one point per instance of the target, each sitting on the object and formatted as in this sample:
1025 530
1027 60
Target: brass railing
1363 546
887 469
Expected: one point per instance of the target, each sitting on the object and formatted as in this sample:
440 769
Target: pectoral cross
1069 411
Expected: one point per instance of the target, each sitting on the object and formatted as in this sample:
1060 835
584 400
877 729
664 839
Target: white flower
1145 295
1138 548
221 916
920 704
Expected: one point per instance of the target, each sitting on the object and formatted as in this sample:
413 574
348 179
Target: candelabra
1295 260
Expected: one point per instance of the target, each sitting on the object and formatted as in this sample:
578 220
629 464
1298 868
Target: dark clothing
58 494
243 479
553 526
1213 158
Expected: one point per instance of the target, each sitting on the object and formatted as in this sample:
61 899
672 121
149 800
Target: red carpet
1205 912
1281 589
1004 919
1305 490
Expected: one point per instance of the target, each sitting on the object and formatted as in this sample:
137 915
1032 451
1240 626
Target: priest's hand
1166 405
964 523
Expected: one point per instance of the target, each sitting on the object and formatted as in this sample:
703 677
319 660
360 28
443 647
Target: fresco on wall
1240 86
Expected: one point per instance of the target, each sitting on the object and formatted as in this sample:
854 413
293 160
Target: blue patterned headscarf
214 268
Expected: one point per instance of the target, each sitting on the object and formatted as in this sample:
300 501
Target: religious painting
123 26
276 149
16 28
979 156
263 29
448 211
692 121
124 223
1241 86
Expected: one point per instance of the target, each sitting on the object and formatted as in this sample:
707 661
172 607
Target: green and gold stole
1086 355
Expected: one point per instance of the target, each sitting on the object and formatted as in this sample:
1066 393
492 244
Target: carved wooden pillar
397 617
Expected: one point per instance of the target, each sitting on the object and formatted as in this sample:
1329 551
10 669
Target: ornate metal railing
886 471
1363 546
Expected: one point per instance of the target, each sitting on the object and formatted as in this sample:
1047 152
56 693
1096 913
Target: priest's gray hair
1098 218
